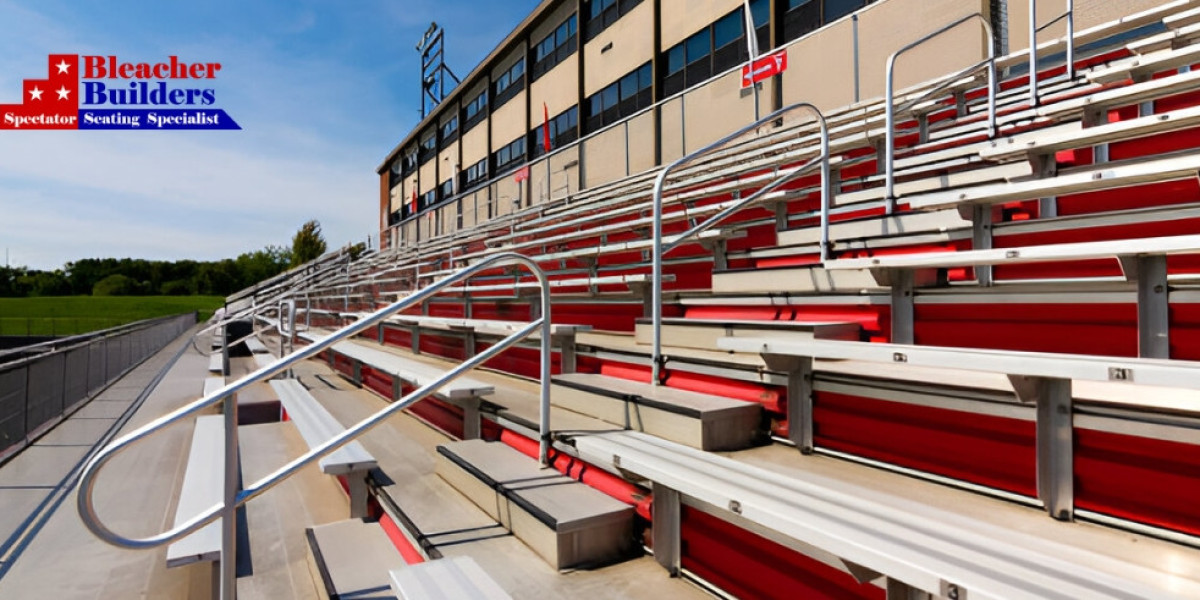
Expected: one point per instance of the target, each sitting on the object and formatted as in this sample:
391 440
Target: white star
35 94
63 66
63 92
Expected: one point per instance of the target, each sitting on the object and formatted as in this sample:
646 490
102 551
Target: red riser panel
376 381
1162 143
1144 480
1177 102
440 345
1185 331
749 566
1157 194
873 319
397 337
982 449
522 361
772 398
603 317
447 310
1093 329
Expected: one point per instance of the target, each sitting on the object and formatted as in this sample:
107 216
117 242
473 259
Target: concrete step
703 335
354 558
799 279
447 579
564 521
698 420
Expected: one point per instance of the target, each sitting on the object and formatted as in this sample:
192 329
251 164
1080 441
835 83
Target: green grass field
81 314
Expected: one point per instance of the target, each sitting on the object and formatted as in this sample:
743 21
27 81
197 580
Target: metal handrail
233 498
659 250
890 99
1034 100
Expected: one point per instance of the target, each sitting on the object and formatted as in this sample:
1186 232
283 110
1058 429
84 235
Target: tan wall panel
605 155
563 179
641 142
505 193
1088 13
428 173
672 130
474 208
682 18
821 68
715 110
508 123
632 39
474 145
892 25
448 162
559 89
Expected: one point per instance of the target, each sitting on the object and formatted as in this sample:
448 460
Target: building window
395 173
803 16
715 49
509 83
476 110
554 48
564 129
450 131
476 174
446 189
427 199
603 13
509 155
410 162
428 148
622 98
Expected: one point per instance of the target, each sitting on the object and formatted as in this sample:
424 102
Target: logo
103 92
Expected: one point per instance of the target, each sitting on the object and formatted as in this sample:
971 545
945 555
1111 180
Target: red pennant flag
546 127
414 202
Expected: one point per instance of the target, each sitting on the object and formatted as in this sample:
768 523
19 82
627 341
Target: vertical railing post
1071 39
657 359
229 507
1033 59
544 417
890 97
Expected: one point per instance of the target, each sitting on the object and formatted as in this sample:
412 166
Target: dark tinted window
698 47
728 29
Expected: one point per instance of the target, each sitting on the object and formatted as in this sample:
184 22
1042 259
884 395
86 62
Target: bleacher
983 385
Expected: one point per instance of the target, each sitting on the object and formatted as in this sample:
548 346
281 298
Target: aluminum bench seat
317 426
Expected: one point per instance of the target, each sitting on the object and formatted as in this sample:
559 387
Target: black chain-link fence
38 390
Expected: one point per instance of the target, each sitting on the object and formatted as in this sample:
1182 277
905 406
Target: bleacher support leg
469 345
666 527
1055 441
357 482
472 425
1154 334
981 239
902 307
799 397
566 346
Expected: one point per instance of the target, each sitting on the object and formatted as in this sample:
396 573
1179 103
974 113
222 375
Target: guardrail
233 498
38 391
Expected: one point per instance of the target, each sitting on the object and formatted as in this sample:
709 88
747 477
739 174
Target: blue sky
322 88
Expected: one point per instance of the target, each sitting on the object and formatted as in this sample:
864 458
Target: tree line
140 277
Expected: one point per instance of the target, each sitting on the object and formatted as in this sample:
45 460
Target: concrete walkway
48 553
